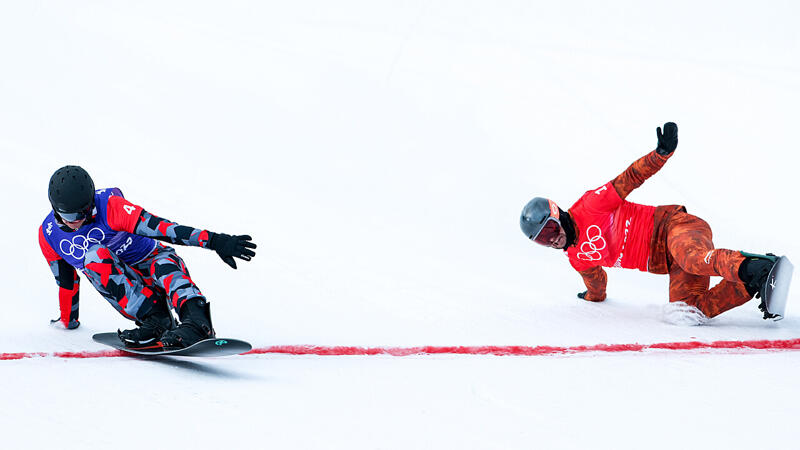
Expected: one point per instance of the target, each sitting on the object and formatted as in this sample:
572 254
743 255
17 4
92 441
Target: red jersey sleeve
122 215
68 283
49 254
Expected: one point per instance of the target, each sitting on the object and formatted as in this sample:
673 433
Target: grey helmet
535 214
71 193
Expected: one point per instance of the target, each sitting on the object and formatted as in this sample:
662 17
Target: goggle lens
550 231
74 216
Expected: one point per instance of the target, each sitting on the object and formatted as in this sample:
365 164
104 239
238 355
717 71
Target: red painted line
513 350
789 344
98 354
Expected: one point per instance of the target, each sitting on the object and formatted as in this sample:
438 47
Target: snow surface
379 153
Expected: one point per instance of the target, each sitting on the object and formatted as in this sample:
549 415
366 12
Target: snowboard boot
754 272
195 325
151 327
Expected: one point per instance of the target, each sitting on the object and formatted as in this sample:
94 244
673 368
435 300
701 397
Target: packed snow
380 153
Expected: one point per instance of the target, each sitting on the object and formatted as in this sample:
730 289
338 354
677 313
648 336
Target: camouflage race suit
118 252
162 275
693 260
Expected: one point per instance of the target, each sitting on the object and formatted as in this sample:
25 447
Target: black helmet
71 193
536 214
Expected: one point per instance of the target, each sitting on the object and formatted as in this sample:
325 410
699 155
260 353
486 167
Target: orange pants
693 260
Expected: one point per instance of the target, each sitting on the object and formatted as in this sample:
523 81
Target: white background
379 153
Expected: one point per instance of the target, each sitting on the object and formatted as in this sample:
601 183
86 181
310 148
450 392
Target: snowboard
206 347
776 291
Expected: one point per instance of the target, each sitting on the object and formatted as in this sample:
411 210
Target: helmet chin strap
569 227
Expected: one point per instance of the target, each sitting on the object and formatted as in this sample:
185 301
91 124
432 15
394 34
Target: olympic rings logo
79 245
590 250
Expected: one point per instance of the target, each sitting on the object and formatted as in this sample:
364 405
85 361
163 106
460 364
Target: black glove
583 296
71 326
228 246
667 141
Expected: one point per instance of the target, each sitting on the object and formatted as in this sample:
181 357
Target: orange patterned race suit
612 232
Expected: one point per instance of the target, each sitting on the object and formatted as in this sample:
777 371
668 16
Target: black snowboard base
206 347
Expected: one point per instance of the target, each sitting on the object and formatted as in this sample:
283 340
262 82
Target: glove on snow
71 326
667 141
228 246
582 296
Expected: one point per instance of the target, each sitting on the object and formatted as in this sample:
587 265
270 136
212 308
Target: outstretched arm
165 230
648 165
68 285
125 216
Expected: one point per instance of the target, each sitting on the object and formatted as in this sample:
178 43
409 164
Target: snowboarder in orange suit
602 229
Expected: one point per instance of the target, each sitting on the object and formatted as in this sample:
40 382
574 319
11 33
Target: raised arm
648 165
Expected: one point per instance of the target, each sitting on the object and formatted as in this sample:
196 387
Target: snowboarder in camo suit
602 229
114 243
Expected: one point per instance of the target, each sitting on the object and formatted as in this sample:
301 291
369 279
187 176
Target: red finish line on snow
513 350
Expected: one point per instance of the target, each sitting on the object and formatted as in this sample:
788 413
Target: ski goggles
550 230
75 216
